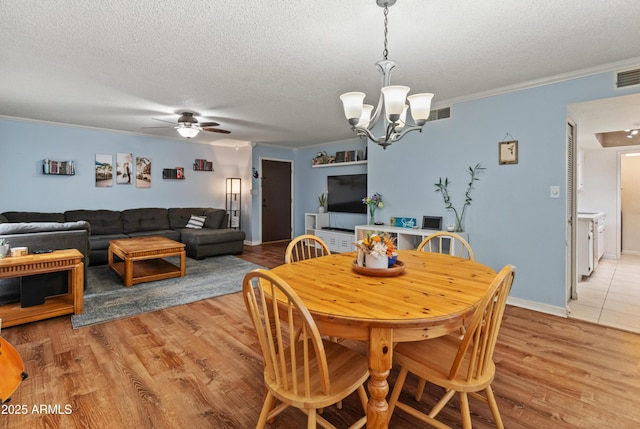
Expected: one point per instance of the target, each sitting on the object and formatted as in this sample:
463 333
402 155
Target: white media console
342 240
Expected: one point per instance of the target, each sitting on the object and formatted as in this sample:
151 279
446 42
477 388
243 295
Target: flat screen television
345 193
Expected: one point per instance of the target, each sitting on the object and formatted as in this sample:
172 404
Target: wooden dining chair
304 247
447 242
11 370
463 366
308 373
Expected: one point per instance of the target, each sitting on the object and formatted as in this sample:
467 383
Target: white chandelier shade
187 130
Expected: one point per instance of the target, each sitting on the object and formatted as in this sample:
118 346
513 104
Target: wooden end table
60 260
148 254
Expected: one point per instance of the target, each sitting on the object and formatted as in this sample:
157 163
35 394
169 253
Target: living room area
94 142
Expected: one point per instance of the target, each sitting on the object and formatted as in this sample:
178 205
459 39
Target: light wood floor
198 366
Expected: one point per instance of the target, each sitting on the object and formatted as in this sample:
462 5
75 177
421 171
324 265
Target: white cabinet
406 238
313 221
337 241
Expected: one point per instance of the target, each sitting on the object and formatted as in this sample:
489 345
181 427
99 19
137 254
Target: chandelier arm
397 136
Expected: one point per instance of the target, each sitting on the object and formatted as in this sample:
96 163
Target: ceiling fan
188 126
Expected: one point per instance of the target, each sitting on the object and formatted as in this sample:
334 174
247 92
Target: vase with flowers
374 202
376 250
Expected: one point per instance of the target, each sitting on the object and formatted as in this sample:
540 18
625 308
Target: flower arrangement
377 244
374 202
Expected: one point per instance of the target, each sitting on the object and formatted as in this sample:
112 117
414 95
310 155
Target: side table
60 260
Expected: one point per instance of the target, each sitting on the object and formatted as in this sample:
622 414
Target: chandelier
393 98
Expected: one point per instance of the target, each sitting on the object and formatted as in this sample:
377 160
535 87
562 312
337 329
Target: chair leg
420 390
397 389
465 411
363 398
266 409
493 405
311 421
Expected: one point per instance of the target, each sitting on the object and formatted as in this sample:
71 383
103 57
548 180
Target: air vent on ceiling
443 113
628 78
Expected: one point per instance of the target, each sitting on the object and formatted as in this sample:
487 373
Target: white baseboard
537 306
252 243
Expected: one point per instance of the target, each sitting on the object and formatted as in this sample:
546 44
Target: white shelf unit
337 241
339 164
406 238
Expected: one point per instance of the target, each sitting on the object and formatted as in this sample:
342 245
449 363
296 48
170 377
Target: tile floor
611 295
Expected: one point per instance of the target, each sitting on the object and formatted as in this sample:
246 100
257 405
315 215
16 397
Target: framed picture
508 152
432 222
124 168
143 172
104 170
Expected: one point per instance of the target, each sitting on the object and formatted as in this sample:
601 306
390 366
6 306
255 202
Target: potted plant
443 187
4 247
322 200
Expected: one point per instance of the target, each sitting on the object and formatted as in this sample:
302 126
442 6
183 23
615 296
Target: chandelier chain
385 52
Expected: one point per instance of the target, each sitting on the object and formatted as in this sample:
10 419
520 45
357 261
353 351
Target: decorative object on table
443 187
374 202
340 156
393 98
508 151
320 158
395 270
4 248
432 222
451 227
403 222
377 248
19 251
322 201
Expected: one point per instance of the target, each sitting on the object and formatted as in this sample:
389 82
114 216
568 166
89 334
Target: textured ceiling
272 71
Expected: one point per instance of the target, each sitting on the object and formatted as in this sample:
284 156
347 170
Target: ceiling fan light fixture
187 131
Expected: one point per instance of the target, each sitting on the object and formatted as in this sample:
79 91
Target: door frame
572 217
268 158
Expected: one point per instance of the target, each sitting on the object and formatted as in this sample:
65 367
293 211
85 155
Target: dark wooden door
276 200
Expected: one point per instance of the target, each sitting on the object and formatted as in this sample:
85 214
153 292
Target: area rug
106 298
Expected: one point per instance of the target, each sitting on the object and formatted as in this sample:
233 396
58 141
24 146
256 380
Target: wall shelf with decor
173 173
339 164
202 165
58 168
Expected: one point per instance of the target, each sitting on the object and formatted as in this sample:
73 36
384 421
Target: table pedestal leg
380 360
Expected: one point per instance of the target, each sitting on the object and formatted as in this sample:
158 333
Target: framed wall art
508 152
124 168
104 170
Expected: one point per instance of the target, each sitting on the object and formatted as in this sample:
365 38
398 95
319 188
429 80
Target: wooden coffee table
148 254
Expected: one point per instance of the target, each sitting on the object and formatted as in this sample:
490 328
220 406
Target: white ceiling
272 71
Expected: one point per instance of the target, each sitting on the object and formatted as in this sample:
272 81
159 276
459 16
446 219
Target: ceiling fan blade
209 124
217 130
162 120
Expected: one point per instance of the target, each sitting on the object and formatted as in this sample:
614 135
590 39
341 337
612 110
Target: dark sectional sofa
214 238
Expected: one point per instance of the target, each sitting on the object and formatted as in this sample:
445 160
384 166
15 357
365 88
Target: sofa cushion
215 218
196 222
102 221
198 237
33 227
101 242
33 217
3 219
171 234
179 217
148 219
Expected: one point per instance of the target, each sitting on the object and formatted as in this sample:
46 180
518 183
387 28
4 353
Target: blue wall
23 187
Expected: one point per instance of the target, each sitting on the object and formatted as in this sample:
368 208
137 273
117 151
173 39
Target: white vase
373 261
4 250
321 209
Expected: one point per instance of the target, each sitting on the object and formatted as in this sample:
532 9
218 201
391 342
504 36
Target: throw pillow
196 222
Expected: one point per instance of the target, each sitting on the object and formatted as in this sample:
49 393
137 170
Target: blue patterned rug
106 298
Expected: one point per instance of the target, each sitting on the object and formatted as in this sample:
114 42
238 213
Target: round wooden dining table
430 298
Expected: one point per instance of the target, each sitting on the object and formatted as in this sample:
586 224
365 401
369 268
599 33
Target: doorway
277 201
